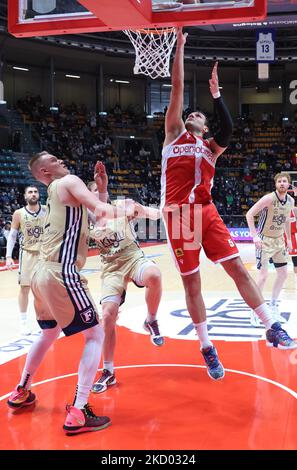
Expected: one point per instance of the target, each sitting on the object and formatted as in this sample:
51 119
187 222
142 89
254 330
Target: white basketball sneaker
255 320
276 314
25 329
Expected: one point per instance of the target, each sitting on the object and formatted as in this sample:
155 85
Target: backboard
47 17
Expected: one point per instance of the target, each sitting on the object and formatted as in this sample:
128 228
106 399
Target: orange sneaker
21 397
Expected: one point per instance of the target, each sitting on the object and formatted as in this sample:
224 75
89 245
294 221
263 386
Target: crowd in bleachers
245 172
81 138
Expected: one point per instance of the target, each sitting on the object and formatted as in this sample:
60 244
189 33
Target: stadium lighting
72 76
23 69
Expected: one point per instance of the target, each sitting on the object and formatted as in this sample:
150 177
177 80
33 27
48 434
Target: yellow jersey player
274 221
27 222
122 261
61 297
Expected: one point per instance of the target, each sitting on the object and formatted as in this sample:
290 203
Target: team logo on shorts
88 315
179 252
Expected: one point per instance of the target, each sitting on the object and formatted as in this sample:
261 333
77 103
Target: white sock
202 333
265 315
23 316
150 317
108 365
296 278
88 364
36 354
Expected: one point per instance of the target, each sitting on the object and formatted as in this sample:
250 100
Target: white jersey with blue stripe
65 238
272 219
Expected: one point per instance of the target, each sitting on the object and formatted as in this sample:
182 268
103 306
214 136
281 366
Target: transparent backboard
51 10
45 17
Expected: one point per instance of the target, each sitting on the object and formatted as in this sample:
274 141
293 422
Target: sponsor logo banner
228 319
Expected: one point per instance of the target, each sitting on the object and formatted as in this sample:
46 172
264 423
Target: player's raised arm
174 124
222 138
101 180
146 212
72 190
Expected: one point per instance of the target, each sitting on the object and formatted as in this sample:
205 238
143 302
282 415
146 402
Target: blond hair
36 158
282 175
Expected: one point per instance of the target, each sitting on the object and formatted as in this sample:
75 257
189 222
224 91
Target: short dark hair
198 111
30 186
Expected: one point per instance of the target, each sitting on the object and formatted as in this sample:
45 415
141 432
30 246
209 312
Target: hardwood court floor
164 398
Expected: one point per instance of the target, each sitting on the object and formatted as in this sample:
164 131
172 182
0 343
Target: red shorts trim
192 226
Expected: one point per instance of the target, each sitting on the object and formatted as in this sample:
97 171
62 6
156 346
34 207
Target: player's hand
181 37
9 263
133 209
289 245
139 210
100 177
214 81
258 242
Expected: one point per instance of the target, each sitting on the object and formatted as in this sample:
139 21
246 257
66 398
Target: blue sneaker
153 328
106 380
279 338
215 368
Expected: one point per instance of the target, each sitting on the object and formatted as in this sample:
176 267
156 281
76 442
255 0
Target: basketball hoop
153 49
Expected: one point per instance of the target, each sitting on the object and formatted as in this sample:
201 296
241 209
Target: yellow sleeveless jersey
114 238
65 238
31 228
272 219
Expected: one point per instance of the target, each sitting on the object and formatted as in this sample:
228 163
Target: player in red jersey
293 252
293 221
190 216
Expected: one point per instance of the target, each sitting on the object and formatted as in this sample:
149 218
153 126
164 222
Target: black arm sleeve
223 135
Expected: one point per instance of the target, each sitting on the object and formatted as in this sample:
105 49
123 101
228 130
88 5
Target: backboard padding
114 15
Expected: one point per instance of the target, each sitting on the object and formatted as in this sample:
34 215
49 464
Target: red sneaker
83 420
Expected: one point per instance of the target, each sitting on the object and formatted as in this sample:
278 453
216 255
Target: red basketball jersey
293 222
188 168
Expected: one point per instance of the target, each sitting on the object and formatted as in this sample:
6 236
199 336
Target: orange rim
157 32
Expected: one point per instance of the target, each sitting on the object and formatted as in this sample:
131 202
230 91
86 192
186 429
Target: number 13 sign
265 45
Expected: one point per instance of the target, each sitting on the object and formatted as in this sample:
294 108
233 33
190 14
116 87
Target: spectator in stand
6 229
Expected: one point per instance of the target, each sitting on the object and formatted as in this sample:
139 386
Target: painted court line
234 371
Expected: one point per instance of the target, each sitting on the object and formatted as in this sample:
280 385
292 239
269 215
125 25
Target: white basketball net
153 49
